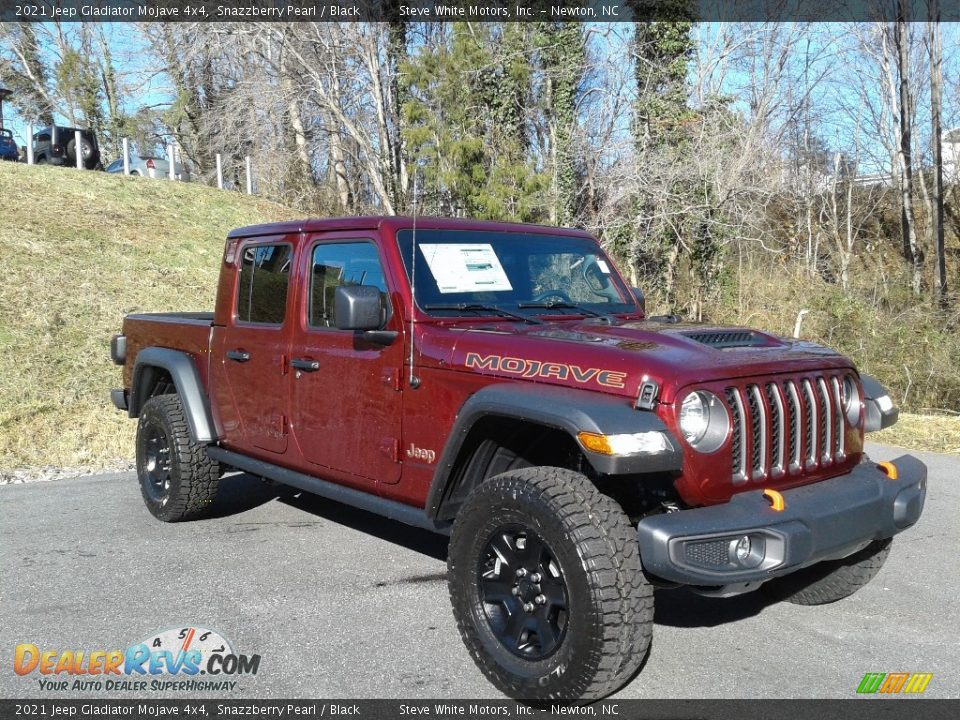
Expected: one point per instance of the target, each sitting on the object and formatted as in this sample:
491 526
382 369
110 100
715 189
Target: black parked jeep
57 145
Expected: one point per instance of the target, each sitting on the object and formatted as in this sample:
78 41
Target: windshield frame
625 306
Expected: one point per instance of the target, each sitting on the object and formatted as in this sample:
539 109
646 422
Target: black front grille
785 426
736 436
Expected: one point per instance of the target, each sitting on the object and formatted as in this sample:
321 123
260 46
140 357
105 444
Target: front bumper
823 521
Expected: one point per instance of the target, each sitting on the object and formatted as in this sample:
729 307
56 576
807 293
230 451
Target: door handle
305 365
238 355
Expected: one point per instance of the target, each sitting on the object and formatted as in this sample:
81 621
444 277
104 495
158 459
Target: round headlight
693 418
852 404
703 420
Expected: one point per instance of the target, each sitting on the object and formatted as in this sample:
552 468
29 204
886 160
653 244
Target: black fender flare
183 372
567 409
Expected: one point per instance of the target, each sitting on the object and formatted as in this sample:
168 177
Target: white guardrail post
126 156
171 159
219 172
29 143
78 149
249 177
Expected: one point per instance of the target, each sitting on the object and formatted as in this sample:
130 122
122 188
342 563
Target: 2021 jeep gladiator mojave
502 384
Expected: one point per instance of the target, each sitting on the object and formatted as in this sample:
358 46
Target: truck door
345 400
250 353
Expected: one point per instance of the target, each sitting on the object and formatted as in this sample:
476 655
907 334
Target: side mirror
640 298
358 307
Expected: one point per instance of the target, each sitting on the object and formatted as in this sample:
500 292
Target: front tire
178 480
547 588
832 580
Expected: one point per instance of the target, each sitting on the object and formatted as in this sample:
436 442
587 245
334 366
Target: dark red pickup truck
502 384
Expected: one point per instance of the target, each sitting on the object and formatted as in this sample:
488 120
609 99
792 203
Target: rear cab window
263 284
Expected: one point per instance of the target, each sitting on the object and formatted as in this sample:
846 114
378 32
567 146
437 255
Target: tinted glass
264 279
115 165
510 269
336 264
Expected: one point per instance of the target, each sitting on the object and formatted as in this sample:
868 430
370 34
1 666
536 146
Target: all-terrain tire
588 548
832 580
178 479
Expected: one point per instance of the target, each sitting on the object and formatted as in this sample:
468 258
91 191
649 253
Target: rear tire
178 480
547 588
832 580
86 153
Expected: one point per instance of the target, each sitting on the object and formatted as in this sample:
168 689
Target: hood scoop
721 339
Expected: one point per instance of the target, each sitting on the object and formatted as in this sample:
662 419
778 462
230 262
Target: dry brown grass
79 250
939 433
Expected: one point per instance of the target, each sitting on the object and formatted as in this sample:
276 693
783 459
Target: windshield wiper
560 305
480 308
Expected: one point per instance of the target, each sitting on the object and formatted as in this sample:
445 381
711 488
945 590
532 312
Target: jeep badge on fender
501 383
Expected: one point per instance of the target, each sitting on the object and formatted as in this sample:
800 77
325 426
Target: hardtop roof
394 223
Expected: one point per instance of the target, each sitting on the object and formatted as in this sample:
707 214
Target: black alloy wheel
523 592
156 465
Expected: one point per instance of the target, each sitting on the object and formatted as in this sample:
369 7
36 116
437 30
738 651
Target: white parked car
152 167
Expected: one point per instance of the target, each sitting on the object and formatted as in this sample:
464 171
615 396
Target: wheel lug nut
528 607
521 572
515 590
540 599
535 577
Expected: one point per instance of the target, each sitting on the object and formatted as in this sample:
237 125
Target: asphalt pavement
343 604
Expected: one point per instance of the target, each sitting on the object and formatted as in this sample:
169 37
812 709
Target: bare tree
935 49
911 250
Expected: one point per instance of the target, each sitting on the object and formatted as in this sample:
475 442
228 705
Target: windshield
460 271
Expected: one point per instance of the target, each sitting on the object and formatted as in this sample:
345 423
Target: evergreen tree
466 122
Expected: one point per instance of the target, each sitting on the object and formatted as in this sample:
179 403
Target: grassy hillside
80 250
77 252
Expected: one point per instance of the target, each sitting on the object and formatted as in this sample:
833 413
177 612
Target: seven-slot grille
786 426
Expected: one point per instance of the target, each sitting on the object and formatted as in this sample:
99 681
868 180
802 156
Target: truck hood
616 358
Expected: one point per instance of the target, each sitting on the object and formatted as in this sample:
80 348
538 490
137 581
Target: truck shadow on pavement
675 608
240 492
685 609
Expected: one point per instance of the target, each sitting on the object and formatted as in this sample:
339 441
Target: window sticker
604 268
465 267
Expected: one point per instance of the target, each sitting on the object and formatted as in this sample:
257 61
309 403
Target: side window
336 264
43 137
264 278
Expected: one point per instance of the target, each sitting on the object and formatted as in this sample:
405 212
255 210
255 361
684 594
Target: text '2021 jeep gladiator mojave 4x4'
502 384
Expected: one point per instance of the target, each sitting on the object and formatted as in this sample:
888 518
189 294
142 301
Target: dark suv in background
8 148
57 145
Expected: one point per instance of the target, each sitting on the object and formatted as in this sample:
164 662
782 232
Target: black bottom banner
859 709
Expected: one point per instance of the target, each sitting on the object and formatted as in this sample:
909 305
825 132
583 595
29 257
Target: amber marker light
624 444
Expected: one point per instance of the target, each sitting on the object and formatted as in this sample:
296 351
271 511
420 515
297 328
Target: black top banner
595 11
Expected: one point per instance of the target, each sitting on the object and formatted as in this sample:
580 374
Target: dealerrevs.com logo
188 659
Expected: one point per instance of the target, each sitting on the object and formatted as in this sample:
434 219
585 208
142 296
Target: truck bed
185 331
